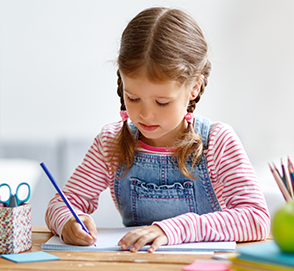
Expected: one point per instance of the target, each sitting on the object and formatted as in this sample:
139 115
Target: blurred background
58 83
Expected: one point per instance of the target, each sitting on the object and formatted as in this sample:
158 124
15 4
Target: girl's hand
74 234
139 237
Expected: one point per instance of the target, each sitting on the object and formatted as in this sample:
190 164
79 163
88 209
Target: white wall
58 73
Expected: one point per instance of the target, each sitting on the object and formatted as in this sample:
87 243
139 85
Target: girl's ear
196 87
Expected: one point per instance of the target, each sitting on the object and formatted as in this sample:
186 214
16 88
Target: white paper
108 238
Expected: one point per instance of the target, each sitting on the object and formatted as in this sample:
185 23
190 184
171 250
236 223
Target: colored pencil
280 183
287 180
63 196
290 163
291 173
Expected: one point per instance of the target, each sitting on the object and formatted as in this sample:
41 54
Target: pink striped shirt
244 216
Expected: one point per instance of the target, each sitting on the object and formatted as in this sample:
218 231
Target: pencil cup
15 229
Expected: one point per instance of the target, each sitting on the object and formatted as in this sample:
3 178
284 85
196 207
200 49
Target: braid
190 142
126 143
206 71
192 105
120 91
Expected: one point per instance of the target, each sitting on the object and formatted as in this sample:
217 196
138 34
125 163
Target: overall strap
134 130
202 128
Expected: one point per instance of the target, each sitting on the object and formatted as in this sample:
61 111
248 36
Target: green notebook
266 252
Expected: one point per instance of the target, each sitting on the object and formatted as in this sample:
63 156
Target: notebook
108 238
265 252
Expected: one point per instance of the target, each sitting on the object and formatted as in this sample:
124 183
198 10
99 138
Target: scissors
14 200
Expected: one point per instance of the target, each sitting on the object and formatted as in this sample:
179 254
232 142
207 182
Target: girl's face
157 109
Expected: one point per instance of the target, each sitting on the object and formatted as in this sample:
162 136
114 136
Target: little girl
185 178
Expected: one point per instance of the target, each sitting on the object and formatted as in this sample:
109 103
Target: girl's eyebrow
165 97
127 92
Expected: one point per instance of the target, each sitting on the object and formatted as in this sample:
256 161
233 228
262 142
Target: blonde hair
164 44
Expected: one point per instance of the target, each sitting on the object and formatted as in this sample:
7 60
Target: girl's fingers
162 240
91 227
74 234
140 237
77 236
71 236
141 241
130 238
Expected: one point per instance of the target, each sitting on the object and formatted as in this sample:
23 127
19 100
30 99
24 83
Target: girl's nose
145 112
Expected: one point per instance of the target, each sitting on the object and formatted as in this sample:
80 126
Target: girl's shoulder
219 126
110 130
107 135
222 133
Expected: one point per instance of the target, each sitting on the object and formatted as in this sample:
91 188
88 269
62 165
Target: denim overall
155 189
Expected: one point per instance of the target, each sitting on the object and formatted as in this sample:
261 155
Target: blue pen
64 198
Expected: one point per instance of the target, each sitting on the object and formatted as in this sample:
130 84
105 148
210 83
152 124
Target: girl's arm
82 189
245 215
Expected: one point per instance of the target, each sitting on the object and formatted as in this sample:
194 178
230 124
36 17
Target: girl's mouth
148 128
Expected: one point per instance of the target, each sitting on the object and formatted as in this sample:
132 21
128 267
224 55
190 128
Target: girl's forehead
142 86
154 73
143 79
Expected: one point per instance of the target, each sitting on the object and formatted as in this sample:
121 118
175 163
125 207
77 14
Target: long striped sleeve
83 188
244 214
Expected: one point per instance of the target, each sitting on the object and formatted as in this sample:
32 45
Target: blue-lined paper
108 238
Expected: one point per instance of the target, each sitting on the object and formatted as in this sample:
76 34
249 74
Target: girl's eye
162 104
133 100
